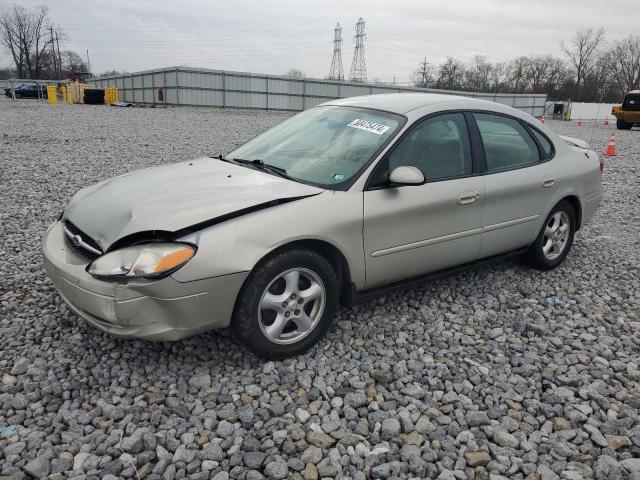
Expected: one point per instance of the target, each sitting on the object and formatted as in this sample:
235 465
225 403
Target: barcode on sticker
368 126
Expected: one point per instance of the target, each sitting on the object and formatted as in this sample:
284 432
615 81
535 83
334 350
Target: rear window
544 142
507 144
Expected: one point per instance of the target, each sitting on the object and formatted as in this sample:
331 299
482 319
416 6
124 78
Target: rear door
412 230
521 182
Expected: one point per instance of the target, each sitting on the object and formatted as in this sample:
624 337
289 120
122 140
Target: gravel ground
502 372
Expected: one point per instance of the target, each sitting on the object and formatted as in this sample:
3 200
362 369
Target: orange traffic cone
611 147
542 119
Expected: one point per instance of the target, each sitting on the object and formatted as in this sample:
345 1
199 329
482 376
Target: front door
413 230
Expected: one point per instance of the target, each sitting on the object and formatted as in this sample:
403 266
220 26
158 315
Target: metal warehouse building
216 88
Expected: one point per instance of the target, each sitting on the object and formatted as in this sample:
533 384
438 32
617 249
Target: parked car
628 112
27 90
338 201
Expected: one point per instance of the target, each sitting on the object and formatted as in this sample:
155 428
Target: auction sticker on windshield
368 126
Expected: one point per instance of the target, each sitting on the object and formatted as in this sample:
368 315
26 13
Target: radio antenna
595 123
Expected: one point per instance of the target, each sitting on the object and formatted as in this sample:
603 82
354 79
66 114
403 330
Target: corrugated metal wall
217 88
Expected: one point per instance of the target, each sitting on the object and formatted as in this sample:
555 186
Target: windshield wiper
265 167
222 158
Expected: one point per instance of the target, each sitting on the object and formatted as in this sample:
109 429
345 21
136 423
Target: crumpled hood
173 197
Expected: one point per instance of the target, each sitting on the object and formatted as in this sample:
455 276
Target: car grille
81 242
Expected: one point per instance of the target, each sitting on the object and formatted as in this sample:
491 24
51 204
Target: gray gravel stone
20 366
390 428
312 454
39 467
276 470
477 419
254 460
540 370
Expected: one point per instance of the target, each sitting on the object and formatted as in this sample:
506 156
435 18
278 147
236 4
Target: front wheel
554 240
622 125
287 304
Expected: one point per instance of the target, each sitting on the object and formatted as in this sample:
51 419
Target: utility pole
336 72
88 62
53 48
358 72
59 57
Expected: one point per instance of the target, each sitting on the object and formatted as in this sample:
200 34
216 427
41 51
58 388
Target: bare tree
295 73
73 62
582 53
423 76
624 58
451 74
112 73
557 75
520 69
538 71
477 74
24 34
499 77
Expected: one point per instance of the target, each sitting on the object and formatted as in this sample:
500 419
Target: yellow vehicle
628 113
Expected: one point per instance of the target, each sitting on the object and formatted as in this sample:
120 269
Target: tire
539 255
278 331
622 125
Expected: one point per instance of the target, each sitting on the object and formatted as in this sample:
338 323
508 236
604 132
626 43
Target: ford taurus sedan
340 200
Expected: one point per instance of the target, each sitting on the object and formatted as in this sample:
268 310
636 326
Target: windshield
323 145
631 101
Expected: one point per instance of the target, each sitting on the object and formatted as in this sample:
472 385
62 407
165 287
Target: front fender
239 244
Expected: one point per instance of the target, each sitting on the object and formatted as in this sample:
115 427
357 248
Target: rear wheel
554 240
622 125
287 304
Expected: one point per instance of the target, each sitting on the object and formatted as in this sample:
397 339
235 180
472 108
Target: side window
544 142
438 146
507 144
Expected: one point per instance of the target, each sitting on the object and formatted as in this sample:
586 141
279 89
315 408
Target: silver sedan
343 199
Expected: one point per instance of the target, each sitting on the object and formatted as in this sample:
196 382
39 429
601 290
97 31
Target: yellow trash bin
52 94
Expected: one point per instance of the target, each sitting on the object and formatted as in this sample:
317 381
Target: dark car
28 90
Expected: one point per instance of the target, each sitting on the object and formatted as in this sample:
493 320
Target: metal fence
216 88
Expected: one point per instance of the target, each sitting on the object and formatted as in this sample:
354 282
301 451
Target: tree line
34 45
591 69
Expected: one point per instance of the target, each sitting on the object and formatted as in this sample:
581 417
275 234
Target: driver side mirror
406 175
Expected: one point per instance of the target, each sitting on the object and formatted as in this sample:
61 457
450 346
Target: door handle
466 198
548 182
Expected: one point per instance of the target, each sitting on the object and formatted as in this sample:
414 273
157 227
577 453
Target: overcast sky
273 36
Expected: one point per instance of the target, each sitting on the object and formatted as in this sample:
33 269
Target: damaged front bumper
158 310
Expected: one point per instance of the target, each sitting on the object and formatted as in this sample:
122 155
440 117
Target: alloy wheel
291 306
556 235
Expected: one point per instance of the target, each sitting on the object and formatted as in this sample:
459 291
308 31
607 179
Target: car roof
405 102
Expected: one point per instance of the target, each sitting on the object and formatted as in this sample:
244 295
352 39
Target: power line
358 72
336 72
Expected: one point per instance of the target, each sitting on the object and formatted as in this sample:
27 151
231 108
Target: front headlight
150 260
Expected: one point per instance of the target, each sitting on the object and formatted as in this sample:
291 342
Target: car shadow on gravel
356 326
